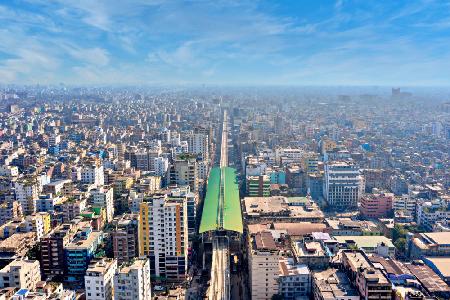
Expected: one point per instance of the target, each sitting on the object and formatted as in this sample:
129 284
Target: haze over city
224 150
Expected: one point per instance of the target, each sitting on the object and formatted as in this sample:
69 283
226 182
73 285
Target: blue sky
300 42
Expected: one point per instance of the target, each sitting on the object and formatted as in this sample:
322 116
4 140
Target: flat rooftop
84 243
365 241
280 206
289 268
305 249
333 284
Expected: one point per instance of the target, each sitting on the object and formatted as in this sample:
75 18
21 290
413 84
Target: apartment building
93 174
294 280
258 186
125 237
22 274
161 166
184 172
370 282
79 253
27 191
376 205
52 251
163 236
198 144
72 208
405 203
104 197
430 212
99 279
132 281
263 266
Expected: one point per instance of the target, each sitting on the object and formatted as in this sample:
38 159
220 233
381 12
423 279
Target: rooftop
442 264
281 207
264 241
84 243
101 266
365 241
428 278
333 284
289 268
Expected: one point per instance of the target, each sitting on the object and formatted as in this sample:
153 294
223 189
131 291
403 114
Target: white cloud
92 56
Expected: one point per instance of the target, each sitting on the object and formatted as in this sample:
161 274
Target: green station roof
222 211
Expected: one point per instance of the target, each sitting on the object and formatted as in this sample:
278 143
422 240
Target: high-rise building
342 184
27 191
161 166
184 172
99 279
258 186
198 144
163 236
125 237
79 253
263 266
104 197
189 199
93 174
132 282
52 252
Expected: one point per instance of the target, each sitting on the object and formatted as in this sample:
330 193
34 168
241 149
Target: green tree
400 244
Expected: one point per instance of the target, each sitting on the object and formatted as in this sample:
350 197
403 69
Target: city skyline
225 42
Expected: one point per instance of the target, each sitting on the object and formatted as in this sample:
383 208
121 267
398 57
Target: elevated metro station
222 207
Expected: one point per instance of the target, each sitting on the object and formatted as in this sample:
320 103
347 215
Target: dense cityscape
224 193
224 150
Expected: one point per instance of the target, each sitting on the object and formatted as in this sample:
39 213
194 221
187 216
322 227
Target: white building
22 274
288 155
54 140
99 279
198 144
263 261
132 282
405 203
27 191
430 212
342 184
161 166
104 197
134 201
93 174
294 280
